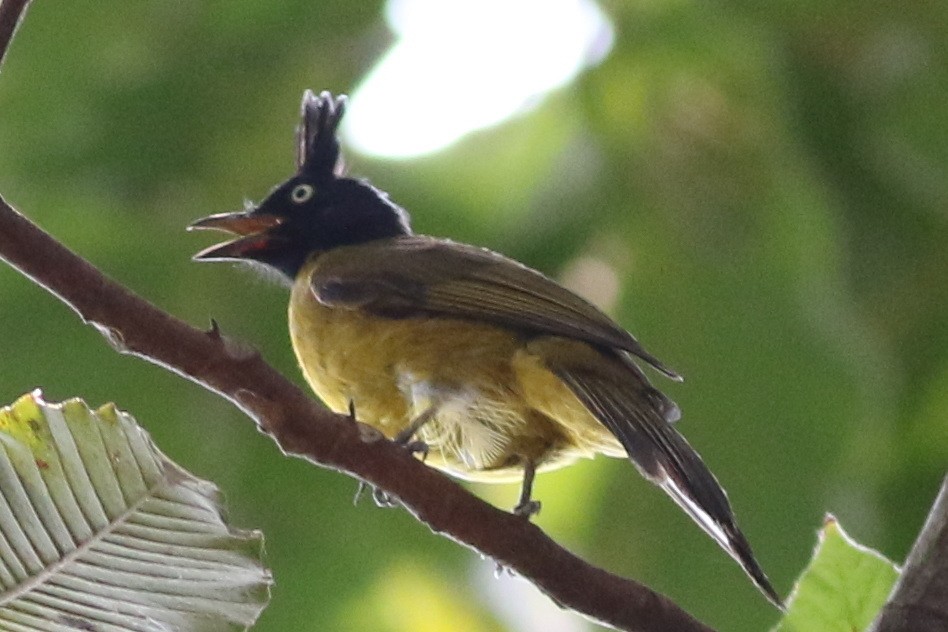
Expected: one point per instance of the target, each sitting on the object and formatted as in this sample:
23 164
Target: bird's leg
361 488
358 495
527 507
409 431
381 498
404 438
362 484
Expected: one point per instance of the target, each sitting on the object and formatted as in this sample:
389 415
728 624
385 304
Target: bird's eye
302 193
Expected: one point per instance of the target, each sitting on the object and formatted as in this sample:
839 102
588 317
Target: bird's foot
417 447
527 508
405 437
381 497
414 446
359 491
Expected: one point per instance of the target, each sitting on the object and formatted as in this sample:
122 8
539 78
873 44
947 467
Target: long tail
664 457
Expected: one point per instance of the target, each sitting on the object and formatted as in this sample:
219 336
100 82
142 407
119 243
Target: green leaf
842 589
100 531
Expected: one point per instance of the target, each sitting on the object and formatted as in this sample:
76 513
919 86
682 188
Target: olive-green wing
416 275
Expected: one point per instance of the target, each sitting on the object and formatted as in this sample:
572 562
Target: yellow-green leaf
843 587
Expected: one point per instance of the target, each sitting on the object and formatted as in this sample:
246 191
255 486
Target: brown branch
11 14
919 600
302 428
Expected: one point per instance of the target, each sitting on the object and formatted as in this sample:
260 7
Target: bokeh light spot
464 65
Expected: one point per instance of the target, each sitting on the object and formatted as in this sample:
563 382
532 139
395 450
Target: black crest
317 149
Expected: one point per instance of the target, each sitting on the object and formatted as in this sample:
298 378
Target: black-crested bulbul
498 370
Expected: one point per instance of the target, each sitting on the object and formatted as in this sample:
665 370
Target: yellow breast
480 377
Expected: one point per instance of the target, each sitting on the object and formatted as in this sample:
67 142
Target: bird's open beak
251 227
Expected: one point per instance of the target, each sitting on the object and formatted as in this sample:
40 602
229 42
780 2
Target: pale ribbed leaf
99 531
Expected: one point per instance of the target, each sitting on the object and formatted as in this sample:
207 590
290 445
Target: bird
496 369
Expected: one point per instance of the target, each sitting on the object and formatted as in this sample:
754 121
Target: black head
316 210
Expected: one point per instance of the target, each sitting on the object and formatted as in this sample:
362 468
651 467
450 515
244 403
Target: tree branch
919 600
304 429
11 14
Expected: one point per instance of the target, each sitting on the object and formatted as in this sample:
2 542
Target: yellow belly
496 404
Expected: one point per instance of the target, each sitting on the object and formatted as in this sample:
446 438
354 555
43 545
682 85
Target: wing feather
415 275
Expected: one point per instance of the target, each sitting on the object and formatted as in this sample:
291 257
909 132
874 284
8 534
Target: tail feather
664 457
726 533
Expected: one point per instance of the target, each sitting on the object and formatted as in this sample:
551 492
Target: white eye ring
302 193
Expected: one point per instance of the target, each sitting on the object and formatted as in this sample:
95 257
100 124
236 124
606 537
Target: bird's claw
414 446
381 497
358 494
527 508
417 447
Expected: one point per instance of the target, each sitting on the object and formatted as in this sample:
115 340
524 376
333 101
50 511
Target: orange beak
252 230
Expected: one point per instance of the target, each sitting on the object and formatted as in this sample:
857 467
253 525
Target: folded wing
416 275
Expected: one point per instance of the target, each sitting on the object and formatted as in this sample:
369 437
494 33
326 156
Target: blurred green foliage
769 181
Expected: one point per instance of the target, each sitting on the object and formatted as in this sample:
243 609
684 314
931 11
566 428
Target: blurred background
759 193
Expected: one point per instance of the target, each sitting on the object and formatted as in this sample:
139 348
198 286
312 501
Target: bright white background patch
462 65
